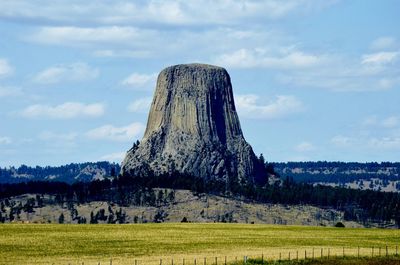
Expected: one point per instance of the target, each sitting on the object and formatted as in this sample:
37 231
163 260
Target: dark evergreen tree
61 218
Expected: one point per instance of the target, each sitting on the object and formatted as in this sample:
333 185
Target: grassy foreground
148 243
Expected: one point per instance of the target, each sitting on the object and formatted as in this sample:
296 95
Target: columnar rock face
193 128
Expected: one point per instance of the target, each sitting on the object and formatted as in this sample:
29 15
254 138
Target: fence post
312 253
297 255
379 251
111 261
305 254
205 260
289 255
216 261
225 260
343 252
236 259
245 259
160 261
322 252
262 259
280 256
397 250
329 252
172 261
358 251
387 251
183 262
195 261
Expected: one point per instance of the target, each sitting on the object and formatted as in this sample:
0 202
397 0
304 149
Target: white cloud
140 81
5 140
367 143
88 36
253 58
282 106
52 136
391 122
379 58
10 92
122 53
66 110
5 68
383 43
374 72
304 147
141 105
341 141
69 72
178 12
384 143
112 133
114 157
388 122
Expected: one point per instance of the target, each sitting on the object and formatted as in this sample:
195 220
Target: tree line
358 205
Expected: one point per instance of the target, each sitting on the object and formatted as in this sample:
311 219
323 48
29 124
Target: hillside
70 173
171 206
383 176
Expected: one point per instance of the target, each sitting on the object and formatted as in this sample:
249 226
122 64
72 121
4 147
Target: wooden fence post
262 259
289 255
372 252
216 261
343 252
297 255
195 261
111 261
225 260
379 251
280 256
172 261
397 247
205 260
322 252
329 252
312 253
305 254
387 251
358 251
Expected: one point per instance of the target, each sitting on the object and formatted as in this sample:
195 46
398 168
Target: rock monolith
193 128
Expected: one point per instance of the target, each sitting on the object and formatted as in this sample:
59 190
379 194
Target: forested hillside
383 176
68 173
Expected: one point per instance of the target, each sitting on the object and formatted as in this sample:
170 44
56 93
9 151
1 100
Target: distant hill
383 176
70 173
375 176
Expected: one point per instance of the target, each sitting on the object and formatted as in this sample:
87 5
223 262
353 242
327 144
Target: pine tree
61 219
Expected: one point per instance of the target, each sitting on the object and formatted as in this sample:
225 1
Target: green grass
147 243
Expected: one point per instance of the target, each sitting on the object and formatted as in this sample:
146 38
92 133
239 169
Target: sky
313 80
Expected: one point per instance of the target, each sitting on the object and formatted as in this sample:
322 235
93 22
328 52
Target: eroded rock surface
193 128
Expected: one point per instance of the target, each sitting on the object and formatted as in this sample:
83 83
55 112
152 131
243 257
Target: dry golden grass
148 243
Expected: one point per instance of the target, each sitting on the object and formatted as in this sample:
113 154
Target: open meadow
148 243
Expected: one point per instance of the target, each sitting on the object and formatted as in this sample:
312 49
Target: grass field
148 243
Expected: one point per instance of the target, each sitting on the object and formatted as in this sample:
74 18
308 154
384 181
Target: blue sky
313 79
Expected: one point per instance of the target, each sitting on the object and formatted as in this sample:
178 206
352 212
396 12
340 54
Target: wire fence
261 257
